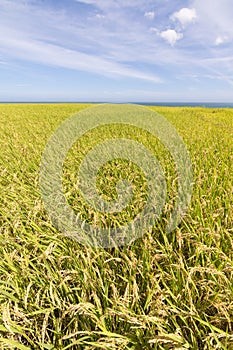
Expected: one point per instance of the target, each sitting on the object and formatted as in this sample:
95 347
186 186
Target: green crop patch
164 290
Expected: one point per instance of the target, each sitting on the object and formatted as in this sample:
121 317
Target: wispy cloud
214 19
35 41
22 85
149 14
123 40
54 55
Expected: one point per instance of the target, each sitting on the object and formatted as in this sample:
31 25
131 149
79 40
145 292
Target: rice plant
163 291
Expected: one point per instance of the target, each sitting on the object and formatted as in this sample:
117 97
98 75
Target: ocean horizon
160 104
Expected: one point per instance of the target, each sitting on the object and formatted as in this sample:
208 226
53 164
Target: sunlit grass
163 291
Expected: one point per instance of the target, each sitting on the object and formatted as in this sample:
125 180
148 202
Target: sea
165 104
188 104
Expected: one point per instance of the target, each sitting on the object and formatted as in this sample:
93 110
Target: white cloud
185 16
171 36
220 40
100 16
120 45
149 14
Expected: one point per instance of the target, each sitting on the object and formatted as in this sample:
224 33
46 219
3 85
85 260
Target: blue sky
116 50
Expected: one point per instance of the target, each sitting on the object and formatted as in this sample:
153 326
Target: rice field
162 291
